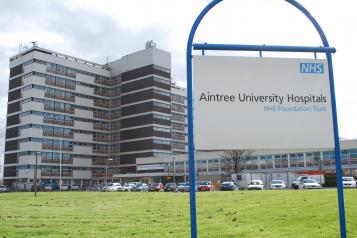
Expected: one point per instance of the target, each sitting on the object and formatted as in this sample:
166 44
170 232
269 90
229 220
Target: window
178 107
178 98
163 129
160 80
49 105
178 117
178 126
59 106
70 84
50 80
51 67
162 117
160 104
61 82
162 142
67 132
168 94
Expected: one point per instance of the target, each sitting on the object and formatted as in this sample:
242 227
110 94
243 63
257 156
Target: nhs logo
311 68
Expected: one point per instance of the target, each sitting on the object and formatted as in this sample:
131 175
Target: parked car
4 189
348 182
47 187
309 184
159 187
74 187
112 187
277 184
205 186
64 187
229 186
171 187
142 187
128 186
181 187
255 185
298 181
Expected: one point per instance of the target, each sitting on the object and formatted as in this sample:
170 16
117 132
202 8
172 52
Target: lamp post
106 171
320 172
173 162
60 182
35 174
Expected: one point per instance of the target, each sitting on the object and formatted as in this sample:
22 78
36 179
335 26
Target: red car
205 186
159 187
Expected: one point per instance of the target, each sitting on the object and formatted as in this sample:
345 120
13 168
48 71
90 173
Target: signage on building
261 103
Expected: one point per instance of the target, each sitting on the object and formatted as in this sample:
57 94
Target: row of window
68 95
178 117
52 117
66 107
178 108
60 69
55 142
160 104
83 156
71 84
178 98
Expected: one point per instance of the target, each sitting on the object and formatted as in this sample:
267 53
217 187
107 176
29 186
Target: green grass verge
219 214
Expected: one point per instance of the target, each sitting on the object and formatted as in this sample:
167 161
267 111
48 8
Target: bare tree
236 159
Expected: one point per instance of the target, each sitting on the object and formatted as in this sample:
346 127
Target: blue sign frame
277 48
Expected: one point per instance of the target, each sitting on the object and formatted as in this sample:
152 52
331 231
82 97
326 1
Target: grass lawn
274 214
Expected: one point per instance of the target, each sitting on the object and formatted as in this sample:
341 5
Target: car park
309 184
255 185
171 187
158 187
228 186
4 189
348 182
277 184
205 186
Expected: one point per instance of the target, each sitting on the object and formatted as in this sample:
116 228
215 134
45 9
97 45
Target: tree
236 159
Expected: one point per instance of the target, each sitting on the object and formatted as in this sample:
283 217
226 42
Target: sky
109 29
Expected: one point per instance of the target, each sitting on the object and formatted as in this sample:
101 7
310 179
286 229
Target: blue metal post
341 203
191 149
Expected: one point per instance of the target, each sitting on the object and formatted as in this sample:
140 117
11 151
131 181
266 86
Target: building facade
262 164
84 122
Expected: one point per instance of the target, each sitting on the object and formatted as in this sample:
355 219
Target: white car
112 187
64 187
309 184
74 187
348 182
277 184
128 186
255 184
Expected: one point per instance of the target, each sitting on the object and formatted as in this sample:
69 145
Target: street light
106 171
35 174
320 172
173 161
60 182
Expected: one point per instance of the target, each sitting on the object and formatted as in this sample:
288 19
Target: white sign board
261 103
